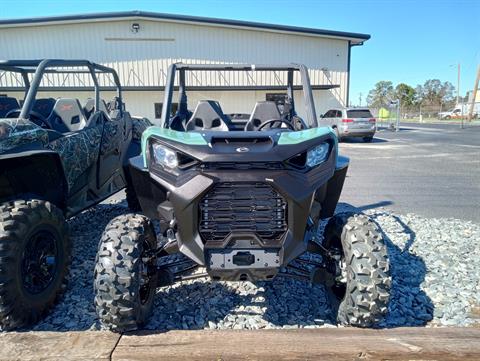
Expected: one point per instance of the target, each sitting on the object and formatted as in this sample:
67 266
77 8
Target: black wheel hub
333 260
39 262
147 270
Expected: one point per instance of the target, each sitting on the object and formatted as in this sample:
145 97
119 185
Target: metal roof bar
236 67
40 67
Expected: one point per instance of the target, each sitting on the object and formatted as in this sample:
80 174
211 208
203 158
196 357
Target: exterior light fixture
135 27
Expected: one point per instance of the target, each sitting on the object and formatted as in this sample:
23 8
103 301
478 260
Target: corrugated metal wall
142 58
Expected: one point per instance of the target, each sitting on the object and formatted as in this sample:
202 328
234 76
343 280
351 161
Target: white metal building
141 45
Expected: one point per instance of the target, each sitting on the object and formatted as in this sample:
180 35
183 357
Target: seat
7 104
89 107
208 115
263 111
104 107
44 106
179 121
67 116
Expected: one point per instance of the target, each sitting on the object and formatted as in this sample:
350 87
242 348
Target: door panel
78 151
117 133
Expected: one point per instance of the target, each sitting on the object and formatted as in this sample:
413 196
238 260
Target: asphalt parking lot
429 169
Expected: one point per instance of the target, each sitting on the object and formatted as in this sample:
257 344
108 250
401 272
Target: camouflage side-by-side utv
242 195
57 158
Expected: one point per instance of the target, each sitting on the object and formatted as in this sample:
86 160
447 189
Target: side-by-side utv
240 194
57 158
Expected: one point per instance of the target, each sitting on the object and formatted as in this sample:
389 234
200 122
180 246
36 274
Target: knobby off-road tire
123 296
35 255
363 300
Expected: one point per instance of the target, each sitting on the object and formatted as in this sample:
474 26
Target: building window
278 98
159 107
158 110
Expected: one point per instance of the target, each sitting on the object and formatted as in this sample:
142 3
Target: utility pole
360 99
474 95
458 84
397 127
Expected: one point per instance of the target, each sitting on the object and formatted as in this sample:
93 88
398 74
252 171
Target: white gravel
435 267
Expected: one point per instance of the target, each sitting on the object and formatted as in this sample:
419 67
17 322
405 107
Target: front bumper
357 131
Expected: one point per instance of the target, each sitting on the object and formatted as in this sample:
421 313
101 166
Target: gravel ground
435 267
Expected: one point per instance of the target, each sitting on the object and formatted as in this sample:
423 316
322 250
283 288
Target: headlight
164 156
317 155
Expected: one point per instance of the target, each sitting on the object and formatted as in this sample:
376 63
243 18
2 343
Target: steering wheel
34 116
273 121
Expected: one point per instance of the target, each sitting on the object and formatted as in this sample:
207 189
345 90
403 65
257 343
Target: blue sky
412 41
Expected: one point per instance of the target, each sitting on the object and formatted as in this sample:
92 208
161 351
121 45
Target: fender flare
34 173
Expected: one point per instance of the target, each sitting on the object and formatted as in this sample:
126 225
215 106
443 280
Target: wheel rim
336 265
339 288
39 262
146 287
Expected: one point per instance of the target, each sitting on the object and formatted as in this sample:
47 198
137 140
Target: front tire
34 258
361 292
124 284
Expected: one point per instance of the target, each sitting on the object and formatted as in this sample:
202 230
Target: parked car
242 197
57 158
460 111
350 122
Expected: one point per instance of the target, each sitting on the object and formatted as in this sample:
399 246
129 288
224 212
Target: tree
406 94
381 95
434 92
418 94
447 93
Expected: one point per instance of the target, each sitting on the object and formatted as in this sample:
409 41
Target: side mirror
321 115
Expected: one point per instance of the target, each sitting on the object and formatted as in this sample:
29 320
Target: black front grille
247 207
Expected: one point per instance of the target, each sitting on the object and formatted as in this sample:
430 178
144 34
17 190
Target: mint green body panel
287 138
194 138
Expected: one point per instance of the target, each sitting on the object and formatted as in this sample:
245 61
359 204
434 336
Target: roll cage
182 87
57 66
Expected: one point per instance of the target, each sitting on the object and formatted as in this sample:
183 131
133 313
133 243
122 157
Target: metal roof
355 38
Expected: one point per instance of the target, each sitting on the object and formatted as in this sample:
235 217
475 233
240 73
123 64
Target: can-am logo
66 107
243 149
